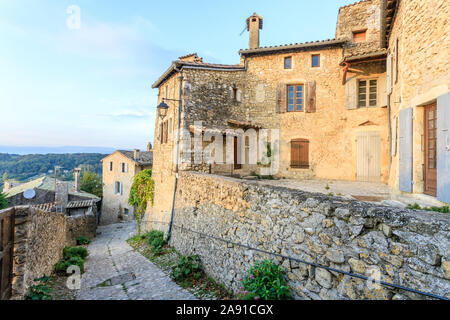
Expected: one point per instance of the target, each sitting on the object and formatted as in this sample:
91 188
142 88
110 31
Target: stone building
331 101
44 193
418 38
119 169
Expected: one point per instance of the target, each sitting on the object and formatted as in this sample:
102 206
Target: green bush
62 265
39 291
70 252
156 239
265 280
186 267
83 240
71 256
415 206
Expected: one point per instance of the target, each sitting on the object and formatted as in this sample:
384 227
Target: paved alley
113 271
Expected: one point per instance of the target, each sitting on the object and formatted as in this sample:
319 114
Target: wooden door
368 156
6 253
430 172
237 154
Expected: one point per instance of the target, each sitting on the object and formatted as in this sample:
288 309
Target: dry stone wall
407 247
39 239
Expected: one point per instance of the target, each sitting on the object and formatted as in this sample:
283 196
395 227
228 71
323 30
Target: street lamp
162 109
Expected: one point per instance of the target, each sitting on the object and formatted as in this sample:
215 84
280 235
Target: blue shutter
405 150
443 148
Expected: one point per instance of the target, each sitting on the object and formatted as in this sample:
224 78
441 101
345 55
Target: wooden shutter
300 153
395 62
115 187
350 93
382 93
310 88
394 137
389 74
443 148
405 150
281 98
121 188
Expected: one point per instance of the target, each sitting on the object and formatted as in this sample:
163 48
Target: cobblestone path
113 271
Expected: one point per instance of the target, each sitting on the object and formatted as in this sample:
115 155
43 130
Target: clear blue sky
92 86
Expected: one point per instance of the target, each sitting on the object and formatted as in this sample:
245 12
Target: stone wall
410 248
80 226
40 237
364 15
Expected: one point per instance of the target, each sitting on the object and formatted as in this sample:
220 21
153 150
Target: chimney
254 24
76 173
149 147
136 153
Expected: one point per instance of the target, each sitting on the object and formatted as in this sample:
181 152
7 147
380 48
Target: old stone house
42 193
119 169
418 41
333 101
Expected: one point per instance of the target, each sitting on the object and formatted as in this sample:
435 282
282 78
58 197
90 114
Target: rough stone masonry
410 248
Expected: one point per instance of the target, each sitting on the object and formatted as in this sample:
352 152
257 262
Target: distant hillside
24 167
56 150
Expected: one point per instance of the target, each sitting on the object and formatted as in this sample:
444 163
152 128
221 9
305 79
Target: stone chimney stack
149 147
136 153
77 176
254 24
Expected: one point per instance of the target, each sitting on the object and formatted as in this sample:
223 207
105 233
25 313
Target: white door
368 145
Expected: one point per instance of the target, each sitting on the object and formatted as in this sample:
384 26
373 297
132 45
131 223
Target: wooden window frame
354 33
290 63
295 100
305 165
312 60
110 166
166 131
367 80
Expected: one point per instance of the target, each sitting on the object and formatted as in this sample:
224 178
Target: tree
141 193
3 201
91 183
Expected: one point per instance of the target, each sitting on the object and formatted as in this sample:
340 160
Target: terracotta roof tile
293 46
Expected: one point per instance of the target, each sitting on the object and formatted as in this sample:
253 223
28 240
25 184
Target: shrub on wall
265 280
3 201
141 193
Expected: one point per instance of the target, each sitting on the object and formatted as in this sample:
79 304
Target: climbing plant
141 193
3 201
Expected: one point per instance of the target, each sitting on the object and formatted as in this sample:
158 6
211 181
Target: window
161 133
167 92
110 166
295 98
118 187
315 60
300 153
288 62
126 211
359 36
166 131
367 93
124 167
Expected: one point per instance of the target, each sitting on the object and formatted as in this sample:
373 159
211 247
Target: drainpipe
172 215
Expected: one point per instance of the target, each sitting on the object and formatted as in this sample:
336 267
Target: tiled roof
293 46
143 157
45 206
47 183
188 55
178 64
80 204
365 55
